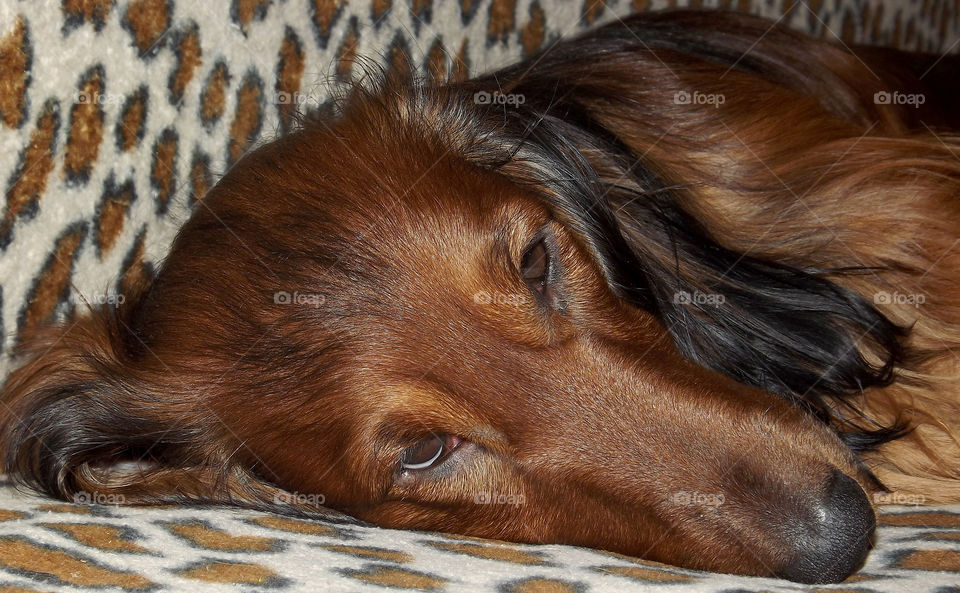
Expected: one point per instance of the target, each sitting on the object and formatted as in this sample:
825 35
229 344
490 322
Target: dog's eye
429 452
535 267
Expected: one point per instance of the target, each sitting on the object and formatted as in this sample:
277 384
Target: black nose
833 539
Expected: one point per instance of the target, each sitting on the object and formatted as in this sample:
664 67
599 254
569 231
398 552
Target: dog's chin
816 535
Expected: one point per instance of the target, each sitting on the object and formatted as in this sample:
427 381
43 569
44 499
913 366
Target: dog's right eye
429 452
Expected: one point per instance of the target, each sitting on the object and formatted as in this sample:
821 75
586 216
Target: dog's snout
833 539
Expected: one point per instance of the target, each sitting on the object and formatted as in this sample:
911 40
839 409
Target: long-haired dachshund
686 288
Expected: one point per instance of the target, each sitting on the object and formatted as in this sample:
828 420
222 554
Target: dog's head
433 314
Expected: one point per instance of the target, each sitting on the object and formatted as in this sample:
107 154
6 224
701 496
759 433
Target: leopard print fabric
46 546
117 116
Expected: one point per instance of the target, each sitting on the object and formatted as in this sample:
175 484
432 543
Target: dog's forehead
373 229
424 196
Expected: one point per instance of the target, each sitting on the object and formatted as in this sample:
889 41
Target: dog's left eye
535 267
429 452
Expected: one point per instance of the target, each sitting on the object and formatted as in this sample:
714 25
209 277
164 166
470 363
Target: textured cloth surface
47 546
116 117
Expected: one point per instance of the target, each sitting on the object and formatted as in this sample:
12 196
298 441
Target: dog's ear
74 407
580 138
82 421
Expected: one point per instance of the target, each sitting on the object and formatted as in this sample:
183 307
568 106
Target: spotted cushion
48 546
117 116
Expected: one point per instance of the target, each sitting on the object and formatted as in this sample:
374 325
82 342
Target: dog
684 288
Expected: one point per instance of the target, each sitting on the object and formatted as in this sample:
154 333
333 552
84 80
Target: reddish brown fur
588 412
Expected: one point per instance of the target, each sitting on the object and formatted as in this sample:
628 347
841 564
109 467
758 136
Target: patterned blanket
48 546
116 117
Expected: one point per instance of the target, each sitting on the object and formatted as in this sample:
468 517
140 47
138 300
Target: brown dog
684 288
